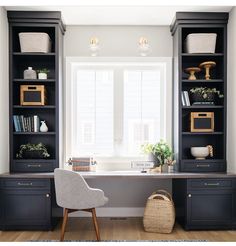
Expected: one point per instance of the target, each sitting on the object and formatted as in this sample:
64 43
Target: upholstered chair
73 194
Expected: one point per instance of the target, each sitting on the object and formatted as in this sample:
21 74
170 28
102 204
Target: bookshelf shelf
34 133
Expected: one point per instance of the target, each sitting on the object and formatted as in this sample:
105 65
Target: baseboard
112 212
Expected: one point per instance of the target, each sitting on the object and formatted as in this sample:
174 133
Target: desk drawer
210 183
26 183
198 166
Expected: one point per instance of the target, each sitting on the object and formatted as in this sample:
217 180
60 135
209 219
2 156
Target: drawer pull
203 165
24 184
47 195
34 165
211 184
189 195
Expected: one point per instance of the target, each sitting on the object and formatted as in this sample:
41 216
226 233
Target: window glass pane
141 109
92 113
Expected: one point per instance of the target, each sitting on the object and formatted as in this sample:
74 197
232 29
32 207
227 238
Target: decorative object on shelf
43 127
94 46
163 155
29 73
32 95
143 46
159 213
200 43
192 71
202 122
207 66
43 73
35 42
33 151
185 98
205 95
200 153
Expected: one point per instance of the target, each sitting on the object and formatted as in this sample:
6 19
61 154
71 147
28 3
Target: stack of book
185 98
82 164
26 124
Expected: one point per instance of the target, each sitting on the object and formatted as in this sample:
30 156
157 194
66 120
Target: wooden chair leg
95 223
63 227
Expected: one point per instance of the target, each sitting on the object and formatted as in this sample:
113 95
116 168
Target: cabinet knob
189 195
47 195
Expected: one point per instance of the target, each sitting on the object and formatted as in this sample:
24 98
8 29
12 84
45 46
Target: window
114 107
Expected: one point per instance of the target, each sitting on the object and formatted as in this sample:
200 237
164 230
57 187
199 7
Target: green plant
205 91
161 150
163 153
43 70
32 147
147 148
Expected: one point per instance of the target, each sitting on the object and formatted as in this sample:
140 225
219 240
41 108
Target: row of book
26 124
82 164
185 98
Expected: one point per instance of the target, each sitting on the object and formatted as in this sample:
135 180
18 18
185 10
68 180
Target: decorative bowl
200 153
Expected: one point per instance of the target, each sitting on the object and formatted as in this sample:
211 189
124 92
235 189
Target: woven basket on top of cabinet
159 214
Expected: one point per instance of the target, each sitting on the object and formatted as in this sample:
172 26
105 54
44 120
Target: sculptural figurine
43 127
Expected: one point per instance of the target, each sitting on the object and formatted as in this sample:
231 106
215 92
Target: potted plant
43 73
204 95
161 153
32 151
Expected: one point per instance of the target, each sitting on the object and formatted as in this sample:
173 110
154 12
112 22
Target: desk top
125 174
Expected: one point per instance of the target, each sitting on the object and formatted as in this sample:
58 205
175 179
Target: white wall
117 40
4 98
231 97
127 197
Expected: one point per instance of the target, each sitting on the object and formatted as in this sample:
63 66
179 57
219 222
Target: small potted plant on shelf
43 73
161 153
33 151
205 95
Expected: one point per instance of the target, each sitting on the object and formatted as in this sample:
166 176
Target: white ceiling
120 15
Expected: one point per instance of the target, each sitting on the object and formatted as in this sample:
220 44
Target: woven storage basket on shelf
159 214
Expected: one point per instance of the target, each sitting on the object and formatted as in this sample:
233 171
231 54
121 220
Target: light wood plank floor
130 229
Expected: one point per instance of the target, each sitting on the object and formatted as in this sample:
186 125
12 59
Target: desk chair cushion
73 192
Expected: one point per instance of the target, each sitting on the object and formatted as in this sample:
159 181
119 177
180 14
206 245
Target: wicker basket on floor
159 214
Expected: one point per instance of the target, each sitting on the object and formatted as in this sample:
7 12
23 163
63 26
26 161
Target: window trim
71 62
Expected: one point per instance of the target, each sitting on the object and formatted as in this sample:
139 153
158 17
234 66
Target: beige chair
73 194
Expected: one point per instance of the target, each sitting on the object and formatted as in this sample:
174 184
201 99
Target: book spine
22 122
25 124
186 98
32 123
15 123
35 123
182 97
18 123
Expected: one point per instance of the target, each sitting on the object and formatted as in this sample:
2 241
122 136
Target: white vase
42 76
43 127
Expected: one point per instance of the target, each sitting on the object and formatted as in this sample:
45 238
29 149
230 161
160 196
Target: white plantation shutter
93 113
141 109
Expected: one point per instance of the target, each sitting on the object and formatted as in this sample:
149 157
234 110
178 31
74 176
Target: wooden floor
130 229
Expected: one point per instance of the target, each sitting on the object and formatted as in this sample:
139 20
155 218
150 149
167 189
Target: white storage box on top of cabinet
35 42
200 43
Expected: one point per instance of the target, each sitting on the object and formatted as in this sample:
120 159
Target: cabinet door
27 207
210 207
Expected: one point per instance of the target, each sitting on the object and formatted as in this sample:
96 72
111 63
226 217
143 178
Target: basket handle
163 192
156 196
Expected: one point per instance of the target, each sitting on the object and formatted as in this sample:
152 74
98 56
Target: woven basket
159 214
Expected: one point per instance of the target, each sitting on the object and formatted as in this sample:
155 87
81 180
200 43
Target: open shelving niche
183 138
50 112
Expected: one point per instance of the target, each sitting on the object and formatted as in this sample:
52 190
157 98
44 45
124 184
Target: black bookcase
50 23
183 139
